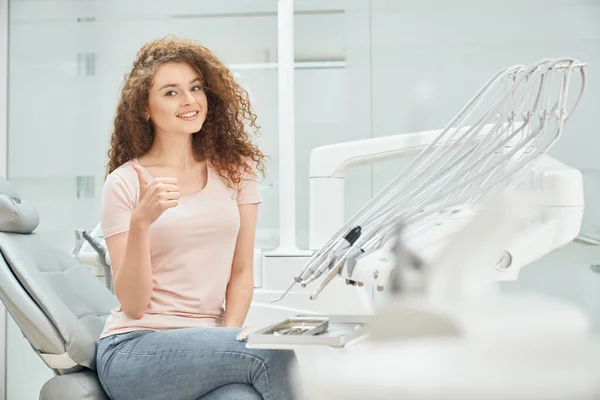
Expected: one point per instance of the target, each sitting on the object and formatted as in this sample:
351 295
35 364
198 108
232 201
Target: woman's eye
170 93
196 88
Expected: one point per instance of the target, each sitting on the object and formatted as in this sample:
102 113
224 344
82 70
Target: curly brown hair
222 140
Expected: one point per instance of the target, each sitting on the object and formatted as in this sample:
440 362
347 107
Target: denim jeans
191 364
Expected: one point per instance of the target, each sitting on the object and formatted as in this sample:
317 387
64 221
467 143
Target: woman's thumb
140 174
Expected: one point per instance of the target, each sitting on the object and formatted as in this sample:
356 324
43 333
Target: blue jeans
191 364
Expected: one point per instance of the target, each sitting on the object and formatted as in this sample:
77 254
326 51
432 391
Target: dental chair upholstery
57 303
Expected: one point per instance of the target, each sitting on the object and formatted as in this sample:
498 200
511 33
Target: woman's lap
188 364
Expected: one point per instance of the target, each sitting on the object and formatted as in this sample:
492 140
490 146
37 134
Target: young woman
179 214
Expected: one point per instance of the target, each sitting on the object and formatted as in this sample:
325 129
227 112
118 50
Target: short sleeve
249 189
117 206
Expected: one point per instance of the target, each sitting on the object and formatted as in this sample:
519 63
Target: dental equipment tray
310 330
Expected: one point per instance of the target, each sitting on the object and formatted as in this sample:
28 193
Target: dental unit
456 170
447 331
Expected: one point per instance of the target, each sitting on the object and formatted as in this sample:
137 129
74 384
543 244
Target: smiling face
177 102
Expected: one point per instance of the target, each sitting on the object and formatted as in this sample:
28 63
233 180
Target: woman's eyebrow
176 85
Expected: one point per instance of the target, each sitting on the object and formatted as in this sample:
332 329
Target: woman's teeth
188 115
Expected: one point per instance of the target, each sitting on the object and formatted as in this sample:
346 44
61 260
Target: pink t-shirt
191 247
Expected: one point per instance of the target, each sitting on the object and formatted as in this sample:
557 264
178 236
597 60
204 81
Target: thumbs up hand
155 197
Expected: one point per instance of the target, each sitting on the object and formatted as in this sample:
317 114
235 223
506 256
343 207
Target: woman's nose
188 99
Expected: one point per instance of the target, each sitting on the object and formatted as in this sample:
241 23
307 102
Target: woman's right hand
155 197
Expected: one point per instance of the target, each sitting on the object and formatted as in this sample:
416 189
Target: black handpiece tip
353 235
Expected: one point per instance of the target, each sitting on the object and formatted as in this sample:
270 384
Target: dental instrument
90 249
464 165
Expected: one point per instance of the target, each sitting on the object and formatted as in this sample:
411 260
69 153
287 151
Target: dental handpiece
348 240
314 264
317 265
307 271
334 271
348 261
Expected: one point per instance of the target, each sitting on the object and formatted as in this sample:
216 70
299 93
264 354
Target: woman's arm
130 260
130 250
241 284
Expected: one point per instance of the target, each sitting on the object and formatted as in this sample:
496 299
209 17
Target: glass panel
332 99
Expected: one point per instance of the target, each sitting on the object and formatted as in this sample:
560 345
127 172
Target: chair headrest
15 215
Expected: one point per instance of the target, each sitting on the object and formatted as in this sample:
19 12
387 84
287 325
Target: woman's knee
277 380
233 391
281 358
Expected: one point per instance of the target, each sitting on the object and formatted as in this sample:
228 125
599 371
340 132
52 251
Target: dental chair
57 303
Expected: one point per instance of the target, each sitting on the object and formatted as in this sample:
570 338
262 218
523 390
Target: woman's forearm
238 297
133 281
